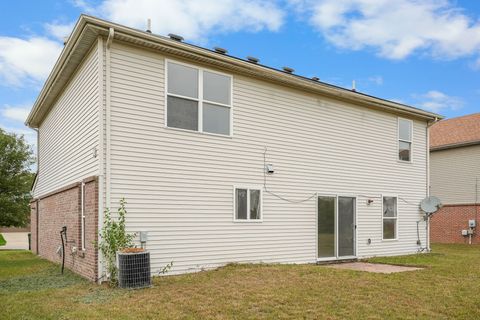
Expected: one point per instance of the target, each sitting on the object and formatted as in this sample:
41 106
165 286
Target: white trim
391 218
101 157
200 99
108 118
402 140
355 245
82 216
248 188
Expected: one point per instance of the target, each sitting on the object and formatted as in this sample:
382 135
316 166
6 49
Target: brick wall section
447 224
62 208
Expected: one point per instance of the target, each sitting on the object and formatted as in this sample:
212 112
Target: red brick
63 209
447 224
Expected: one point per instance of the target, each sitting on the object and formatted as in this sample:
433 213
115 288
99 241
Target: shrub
114 238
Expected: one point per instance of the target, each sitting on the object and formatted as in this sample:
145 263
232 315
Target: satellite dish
430 205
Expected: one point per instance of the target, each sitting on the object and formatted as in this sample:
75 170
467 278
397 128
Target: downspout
101 155
104 138
111 34
427 187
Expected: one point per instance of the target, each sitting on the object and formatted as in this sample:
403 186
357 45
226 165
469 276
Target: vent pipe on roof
354 87
149 25
253 59
175 37
288 70
220 50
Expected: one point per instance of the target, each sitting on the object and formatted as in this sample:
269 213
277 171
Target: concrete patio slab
15 241
372 267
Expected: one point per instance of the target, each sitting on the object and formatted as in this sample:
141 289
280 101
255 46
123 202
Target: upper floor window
404 140
198 99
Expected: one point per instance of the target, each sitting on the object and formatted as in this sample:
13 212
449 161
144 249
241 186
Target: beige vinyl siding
179 185
69 133
454 173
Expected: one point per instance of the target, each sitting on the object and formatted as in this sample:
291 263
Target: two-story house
220 159
455 179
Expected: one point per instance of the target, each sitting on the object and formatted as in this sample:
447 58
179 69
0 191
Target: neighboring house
455 178
220 159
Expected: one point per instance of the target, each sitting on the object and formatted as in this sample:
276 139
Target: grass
2 240
448 287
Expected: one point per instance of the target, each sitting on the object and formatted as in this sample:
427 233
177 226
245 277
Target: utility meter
472 223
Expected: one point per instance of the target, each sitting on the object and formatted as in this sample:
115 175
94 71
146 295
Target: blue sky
422 53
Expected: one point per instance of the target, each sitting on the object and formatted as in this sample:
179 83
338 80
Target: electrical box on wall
464 232
472 223
143 236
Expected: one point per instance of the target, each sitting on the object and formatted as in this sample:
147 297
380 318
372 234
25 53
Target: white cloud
378 80
26 60
193 19
17 113
59 30
395 29
438 101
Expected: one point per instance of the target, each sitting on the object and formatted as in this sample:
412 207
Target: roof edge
260 70
455 145
67 49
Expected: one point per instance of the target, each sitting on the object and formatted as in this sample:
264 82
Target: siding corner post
111 35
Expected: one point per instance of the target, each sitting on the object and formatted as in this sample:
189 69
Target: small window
248 205
198 100
404 140
389 218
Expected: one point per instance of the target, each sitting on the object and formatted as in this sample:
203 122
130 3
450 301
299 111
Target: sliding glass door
326 226
336 227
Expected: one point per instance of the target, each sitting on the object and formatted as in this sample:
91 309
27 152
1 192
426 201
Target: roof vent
220 50
175 37
253 59
149 25
315 79
288 70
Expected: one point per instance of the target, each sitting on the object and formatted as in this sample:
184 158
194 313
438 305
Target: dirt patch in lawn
373 267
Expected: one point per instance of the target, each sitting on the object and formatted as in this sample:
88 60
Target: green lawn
2 240
449 287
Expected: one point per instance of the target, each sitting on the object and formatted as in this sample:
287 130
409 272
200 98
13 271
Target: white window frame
391 218
248 220
336 196
401 140
200 99
82 216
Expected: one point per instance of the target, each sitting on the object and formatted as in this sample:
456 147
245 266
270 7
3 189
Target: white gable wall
455 174
178 185
69 133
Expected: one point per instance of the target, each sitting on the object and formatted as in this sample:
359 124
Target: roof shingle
455 131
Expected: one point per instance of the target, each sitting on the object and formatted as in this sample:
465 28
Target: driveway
15 241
